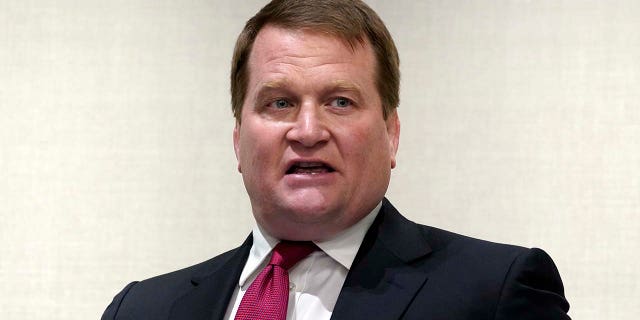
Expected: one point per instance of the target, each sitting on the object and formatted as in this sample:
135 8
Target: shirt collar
342 248
262 246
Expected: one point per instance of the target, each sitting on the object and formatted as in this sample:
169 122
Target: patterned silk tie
268 295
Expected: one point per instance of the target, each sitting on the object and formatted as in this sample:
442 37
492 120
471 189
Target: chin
309 204
308 212
300 221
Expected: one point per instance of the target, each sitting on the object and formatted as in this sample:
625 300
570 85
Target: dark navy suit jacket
403 270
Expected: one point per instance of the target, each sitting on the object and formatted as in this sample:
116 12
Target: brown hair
351 20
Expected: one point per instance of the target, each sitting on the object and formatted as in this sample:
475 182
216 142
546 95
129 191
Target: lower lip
309 179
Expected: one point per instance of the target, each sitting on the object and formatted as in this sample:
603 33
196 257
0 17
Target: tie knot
287 253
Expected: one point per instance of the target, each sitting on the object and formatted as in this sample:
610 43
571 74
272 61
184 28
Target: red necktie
268 295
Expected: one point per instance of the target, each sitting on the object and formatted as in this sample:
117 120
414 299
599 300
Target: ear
236 144
393 131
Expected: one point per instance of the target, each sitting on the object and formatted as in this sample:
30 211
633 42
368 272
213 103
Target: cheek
363 148
258 145
377 154
247 147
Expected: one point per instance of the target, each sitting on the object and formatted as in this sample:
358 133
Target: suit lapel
212 290
384 277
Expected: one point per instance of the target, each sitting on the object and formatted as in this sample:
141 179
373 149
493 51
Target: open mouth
309 168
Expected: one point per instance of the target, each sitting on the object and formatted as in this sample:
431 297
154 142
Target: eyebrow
284 85
343 85
275 84
271 86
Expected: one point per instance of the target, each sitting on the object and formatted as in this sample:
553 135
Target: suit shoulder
440 239
172 281
152 298
439 242
479 279
491 261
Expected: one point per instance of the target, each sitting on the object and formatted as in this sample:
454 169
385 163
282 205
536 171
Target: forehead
278 50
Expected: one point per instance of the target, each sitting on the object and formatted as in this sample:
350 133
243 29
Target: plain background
520 124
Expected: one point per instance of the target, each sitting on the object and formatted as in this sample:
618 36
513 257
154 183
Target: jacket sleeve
532 290
112 310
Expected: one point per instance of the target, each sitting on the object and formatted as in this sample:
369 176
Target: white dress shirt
315 282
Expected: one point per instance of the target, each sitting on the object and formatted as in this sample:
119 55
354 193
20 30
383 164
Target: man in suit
314 92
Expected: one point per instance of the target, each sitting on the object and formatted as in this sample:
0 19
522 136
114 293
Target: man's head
313 143
350 20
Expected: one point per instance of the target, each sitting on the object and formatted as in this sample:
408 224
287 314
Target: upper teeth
309 164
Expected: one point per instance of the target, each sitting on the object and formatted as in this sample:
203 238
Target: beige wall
520 124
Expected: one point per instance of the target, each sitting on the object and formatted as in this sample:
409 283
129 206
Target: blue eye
341 102
280 104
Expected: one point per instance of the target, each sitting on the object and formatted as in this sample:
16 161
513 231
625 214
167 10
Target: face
313 147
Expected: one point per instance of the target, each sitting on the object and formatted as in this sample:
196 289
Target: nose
309 127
